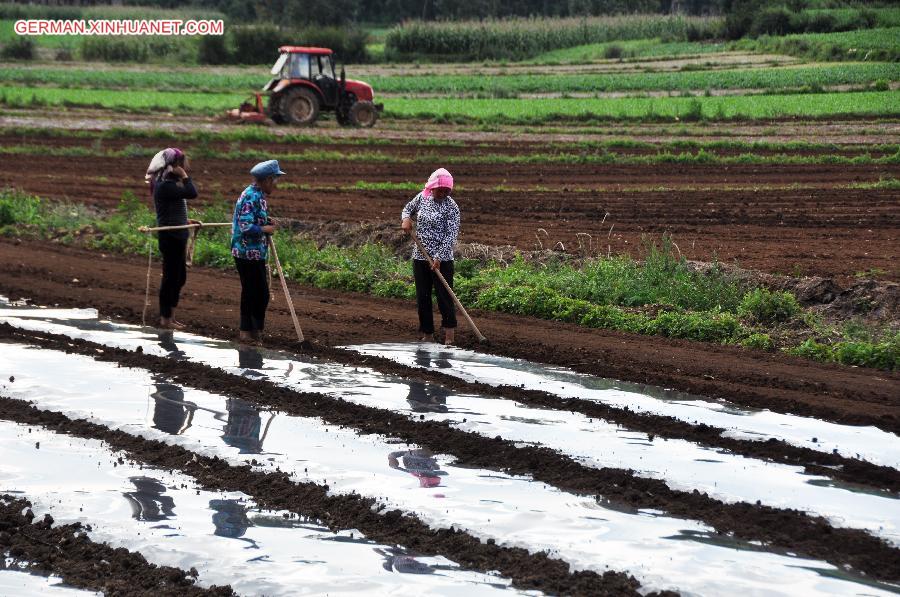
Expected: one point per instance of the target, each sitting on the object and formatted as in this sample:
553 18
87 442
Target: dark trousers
425 281
174 276
254 293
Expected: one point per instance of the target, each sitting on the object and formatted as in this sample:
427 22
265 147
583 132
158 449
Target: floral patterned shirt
251 213
437 225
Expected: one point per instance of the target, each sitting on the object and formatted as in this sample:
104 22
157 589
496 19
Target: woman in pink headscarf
437 224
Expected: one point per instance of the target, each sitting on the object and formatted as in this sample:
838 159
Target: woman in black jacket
171 187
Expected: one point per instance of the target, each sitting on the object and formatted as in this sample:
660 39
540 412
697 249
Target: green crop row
131 79
514 111
525 38
659 295
146 100
521 111
600 156
234 137
760 78
763 78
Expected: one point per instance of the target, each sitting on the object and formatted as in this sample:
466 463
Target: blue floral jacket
251 213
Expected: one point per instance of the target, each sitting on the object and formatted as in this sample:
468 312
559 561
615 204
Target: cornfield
516 39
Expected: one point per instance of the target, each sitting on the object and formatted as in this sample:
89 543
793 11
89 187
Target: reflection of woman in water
242 430
148 502
170 412
440 360
230 518
427 398
397 561
420 464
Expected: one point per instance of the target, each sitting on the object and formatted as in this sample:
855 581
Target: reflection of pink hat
440 178
426 480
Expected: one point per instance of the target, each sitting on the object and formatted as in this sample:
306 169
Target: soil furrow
790 530
66 551
277 491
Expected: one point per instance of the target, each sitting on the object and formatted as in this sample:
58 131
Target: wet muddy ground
605 463
797 533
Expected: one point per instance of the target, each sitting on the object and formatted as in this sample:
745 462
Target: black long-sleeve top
170 199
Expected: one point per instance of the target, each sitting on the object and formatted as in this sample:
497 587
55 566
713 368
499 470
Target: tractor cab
304 83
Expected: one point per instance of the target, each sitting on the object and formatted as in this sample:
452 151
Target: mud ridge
790 530
277 491
66 551
832 465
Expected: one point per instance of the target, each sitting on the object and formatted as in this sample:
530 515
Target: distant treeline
386 12
744 16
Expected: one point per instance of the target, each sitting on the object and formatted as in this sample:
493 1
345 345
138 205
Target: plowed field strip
831 232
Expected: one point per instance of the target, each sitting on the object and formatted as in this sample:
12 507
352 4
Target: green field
636 48
500 110
715 108
868 44
196 81
760 78
122 100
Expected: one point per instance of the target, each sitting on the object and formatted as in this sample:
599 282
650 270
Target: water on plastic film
866 443
682 464
662 552
165 517
16 580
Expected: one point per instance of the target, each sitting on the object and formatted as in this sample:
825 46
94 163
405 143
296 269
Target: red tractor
303 85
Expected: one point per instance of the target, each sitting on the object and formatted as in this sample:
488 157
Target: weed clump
767 307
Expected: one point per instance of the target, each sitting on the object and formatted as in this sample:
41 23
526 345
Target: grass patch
658 295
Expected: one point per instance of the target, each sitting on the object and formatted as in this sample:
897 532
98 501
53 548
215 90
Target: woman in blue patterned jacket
250 230
437 224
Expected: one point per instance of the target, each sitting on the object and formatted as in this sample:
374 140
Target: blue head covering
264 170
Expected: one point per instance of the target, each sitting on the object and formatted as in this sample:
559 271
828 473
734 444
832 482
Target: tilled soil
66 551
789 530
840 131
729 213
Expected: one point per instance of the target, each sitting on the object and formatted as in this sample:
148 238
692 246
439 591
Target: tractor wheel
275 104
300 106
363 114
